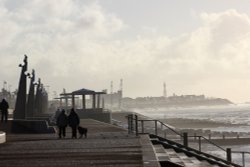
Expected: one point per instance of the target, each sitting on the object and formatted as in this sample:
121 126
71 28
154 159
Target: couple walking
72 120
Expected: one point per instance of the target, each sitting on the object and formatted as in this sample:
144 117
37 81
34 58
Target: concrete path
106 145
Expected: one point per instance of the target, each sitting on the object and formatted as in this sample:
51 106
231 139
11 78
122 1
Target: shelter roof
82 91
65 97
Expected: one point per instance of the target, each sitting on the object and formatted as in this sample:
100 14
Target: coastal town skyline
195 47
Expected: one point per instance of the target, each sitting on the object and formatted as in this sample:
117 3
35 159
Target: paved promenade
106 145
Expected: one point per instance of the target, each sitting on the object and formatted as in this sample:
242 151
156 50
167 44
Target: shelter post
66 103
98 101
93 101
83 102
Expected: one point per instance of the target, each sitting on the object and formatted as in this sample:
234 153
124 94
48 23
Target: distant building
113 100
116 101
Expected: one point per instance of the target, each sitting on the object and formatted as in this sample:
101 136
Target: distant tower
111 93
164 90
120 93
111 87
121 84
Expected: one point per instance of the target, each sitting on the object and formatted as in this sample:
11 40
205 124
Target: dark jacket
62 120
73 119
4 105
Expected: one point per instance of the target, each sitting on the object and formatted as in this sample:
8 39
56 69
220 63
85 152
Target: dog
82 131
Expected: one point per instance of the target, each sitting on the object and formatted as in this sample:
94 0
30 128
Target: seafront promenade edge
106 145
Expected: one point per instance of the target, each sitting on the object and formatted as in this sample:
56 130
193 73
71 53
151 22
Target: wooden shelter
96 97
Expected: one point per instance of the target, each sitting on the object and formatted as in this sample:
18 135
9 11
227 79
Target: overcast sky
196 47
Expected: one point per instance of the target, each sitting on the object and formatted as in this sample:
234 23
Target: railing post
129 125
199 143
229 155
136 125
132 123
156 132
142 126
185 139
243 159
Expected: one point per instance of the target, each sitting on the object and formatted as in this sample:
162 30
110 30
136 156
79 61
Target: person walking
55 116
62 122
74 121
4 106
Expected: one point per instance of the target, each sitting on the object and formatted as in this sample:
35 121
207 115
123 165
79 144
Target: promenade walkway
106 145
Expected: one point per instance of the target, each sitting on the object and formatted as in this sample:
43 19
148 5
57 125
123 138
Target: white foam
236 114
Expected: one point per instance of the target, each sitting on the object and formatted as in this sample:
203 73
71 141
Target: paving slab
106 145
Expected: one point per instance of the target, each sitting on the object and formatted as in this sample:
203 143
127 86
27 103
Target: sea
229 114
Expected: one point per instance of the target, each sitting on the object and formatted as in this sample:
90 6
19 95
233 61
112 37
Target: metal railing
133 127
243 155
207 140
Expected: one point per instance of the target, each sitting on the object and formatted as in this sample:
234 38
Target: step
187 156
159 148
149 157
173 156
183 159
160 153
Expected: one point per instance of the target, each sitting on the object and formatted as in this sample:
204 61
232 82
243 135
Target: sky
196 47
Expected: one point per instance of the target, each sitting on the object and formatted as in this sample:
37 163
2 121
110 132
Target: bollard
195 136
229 155
209 136
185 139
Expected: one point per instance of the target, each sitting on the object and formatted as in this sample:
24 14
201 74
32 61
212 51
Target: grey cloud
71 45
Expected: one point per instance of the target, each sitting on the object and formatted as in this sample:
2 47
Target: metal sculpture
20 107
